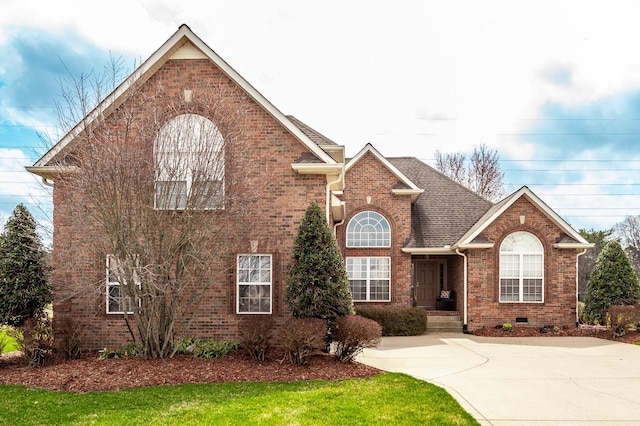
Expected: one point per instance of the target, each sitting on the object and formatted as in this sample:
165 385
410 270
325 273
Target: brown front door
426 283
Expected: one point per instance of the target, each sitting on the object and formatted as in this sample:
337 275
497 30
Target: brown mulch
631 336
93 374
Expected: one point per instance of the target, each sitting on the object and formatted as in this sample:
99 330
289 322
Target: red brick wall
558 307
369 177
279 197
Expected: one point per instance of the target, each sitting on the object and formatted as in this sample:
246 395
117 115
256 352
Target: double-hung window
254 278
117 302
369 278
189 160
521 268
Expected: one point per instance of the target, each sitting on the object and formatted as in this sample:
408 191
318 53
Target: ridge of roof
150 66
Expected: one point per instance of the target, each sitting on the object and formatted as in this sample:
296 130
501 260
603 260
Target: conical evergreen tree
24 289
318 285
612 282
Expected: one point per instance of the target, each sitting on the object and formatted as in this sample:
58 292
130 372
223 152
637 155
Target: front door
426 283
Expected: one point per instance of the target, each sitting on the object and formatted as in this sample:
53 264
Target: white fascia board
331 171
428 250
573 245
50 171
414 193
159 57
476 246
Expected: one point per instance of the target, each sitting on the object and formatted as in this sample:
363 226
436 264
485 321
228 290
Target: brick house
410 236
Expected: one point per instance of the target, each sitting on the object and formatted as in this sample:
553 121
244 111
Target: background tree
318 285
588 260
480 172
628 233
156 176
613 282
24 286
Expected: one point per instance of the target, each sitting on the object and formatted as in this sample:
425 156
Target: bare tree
628 233
155 174
479 172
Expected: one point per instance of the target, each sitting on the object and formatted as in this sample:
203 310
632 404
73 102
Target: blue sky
553 86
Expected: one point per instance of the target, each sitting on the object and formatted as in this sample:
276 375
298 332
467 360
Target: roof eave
428 250
414 193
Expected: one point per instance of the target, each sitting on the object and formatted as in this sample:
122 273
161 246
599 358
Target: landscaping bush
35 341
352 334
70 343
623 317
397 321
212 348
255 333
301 337
128 350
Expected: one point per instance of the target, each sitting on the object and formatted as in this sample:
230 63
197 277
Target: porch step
444 323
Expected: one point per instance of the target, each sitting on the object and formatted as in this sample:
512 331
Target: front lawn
389 398
10 344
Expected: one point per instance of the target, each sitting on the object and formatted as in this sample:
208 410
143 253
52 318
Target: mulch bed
89 373
93 374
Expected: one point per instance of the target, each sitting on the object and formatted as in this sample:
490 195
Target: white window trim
368 279
521 278
238 284
110 284
348 242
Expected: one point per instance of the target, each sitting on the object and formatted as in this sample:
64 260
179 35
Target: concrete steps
449 323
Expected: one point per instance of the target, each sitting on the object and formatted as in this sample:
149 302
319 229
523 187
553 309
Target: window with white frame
368 229
189 159
117 303
254 277
521 268
369 278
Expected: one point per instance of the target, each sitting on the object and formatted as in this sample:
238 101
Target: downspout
578 283
46 182
328 196
464 315
335 227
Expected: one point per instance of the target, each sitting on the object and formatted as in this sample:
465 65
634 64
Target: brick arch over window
521 268
189 164
368 229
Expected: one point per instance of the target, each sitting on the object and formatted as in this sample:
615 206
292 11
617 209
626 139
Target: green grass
385 399
10 343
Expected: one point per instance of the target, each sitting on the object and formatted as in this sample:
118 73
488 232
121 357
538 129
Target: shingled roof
312 134
445 211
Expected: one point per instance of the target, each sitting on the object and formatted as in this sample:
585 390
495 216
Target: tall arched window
521 268
368 229
189 159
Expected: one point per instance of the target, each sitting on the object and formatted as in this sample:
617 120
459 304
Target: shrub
301 337
35 341
612 282
70 339
352 334
507 326
255 333
128 350
185 345
622 317
397 321
212 348
317 282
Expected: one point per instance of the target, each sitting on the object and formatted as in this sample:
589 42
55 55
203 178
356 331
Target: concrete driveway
518 381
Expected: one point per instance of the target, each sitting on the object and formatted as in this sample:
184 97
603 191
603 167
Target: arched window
189 159
521 268
368 229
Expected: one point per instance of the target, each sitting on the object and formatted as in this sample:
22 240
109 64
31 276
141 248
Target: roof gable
183 44
494 212
405 185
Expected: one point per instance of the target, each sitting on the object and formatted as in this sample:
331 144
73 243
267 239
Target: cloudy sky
553 86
